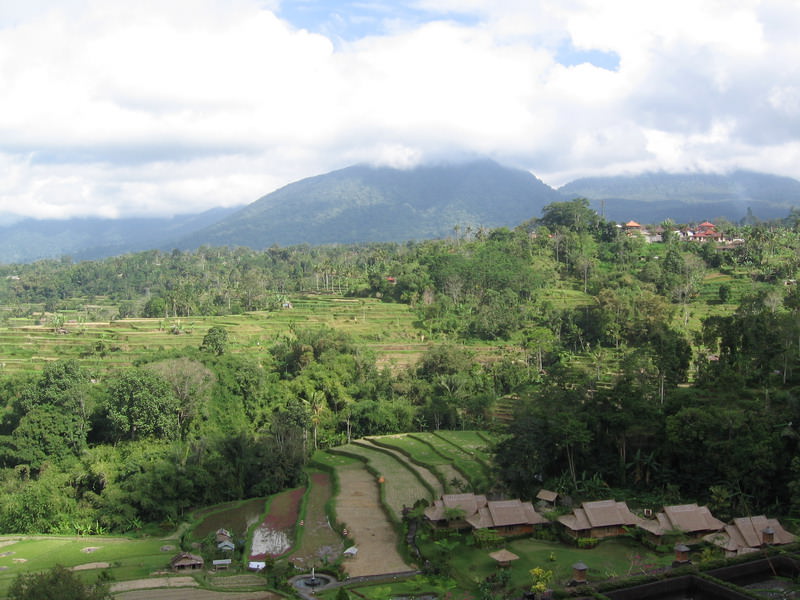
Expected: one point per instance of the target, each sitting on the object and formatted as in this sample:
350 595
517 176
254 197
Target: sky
163 107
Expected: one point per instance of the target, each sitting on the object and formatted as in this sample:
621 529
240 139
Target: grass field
611 558
475 471
432 478
128 558
472 442
424 453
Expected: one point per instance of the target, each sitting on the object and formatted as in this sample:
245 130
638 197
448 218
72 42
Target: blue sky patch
570 56
351 20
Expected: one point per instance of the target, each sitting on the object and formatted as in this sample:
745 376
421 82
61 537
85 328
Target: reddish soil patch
272 537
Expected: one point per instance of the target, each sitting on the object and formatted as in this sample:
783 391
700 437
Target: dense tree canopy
625 365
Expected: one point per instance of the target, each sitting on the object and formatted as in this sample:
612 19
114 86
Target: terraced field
363 503
431 478
358 505
470 441
386 329
476 472
424 453
402 487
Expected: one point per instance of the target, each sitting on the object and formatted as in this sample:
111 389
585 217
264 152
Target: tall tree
140 403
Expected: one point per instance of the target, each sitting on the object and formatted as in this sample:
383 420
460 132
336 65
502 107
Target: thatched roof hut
503 557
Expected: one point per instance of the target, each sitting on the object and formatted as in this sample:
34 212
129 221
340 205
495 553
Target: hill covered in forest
686 197
381 204
362 204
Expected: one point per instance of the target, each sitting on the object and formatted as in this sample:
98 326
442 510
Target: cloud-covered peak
171 107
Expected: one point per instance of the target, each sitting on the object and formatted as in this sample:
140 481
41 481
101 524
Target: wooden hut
185 561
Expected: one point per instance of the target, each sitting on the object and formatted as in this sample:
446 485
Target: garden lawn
617 557
128 558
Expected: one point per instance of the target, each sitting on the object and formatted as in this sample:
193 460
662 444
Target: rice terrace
561 410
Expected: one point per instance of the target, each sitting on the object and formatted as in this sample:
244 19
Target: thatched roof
503 556
505 513
747 533
186 559
469 503
600 513
547 495
689 518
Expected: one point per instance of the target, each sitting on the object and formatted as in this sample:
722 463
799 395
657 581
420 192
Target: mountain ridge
361 204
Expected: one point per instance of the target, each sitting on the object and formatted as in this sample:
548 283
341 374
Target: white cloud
178 106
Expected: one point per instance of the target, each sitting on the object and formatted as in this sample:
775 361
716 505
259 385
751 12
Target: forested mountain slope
367 204
93 238
653 197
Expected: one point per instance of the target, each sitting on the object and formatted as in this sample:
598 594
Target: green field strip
428 475
471 442
401 487
472 471
426 454
422 454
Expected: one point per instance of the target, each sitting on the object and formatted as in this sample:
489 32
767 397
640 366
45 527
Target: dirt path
153 582
89 566
195 594
358 506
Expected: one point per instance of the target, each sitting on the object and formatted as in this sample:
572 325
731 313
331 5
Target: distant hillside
376 204
91 238
653 197
364 204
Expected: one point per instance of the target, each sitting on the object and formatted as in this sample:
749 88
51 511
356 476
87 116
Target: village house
471 511
689 520
704 232
599 519
507 517
186 561
224 540
452 510
748 534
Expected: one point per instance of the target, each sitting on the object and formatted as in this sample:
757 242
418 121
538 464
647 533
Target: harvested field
318 541
401 486
153 582
358 506
274 536
237 581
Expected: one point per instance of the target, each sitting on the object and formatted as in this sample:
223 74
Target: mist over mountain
93 238
374 204
378 204
653 197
